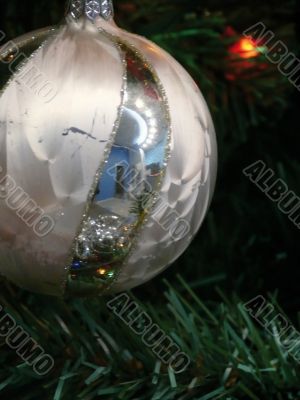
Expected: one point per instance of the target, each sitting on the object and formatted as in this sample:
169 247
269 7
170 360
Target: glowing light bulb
247 48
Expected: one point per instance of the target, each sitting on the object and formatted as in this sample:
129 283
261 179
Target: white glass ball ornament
107 157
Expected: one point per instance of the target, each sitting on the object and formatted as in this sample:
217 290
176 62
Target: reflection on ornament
119 191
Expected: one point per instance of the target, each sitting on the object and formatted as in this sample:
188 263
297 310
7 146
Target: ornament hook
91 9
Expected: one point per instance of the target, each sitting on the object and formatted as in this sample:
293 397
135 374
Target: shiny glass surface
129 183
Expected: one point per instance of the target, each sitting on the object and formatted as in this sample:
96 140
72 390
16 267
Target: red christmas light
245 48
242 54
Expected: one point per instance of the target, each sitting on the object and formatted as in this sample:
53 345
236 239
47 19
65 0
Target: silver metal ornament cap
91 9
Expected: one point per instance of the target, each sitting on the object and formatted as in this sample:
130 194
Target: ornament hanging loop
91 9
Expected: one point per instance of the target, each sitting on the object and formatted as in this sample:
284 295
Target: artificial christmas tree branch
97 356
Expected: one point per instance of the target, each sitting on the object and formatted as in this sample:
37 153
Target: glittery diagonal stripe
123 45
101 167
128 52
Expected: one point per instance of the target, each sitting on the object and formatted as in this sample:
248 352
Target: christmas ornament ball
107 157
